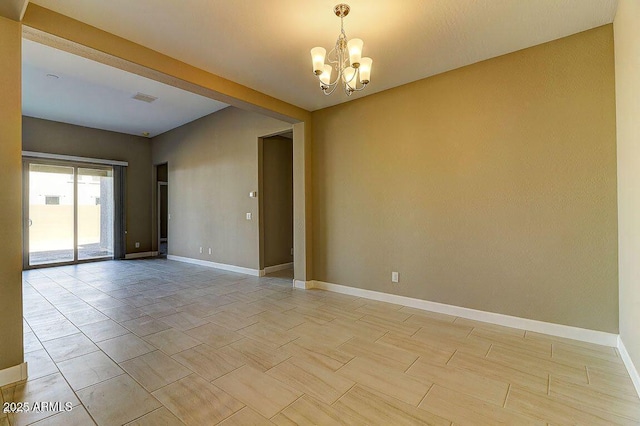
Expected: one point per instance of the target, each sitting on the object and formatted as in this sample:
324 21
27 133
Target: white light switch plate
248 216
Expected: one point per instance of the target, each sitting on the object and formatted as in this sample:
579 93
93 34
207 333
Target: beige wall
491 187
67 139
627 59
213 165
11 352
276 197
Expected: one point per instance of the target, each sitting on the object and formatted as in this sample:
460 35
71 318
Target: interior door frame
75 165
159 215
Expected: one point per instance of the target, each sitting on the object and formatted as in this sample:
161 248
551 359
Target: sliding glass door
69 213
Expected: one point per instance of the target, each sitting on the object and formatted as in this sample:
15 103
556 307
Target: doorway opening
275 171
162 182
69 213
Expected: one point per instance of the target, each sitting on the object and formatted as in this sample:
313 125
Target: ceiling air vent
144 98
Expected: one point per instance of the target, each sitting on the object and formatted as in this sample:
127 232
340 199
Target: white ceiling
265 44
91 94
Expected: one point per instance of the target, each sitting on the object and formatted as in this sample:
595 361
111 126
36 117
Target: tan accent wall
66 139
491 187
627 59
11 352
276 198
213 165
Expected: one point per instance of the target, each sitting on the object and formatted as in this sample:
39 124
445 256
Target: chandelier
346 57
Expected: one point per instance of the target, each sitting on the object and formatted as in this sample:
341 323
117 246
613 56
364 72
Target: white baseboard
223 266
276 268
140 255
13 374
631 368
304 285
566 331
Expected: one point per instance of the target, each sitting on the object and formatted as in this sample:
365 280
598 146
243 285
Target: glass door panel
95 213
51 214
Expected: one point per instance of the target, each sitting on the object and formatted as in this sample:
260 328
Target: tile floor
157 342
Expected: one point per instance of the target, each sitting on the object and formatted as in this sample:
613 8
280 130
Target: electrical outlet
200 250
209 250
137 244
395 277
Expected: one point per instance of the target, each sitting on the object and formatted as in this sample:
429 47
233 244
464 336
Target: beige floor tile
464 409
214 335
386 380
183 321
484 388
159 309
613 384
409 344
421 314
268 336
197 402
69 347
145 325
87 370
282 321
246 417
122 313
127 400
231 320
159 417
243 309
589 396
452 340
85 316
39 364
103 330
339 312
125 347
389 356
539 348
311 378
494 370
444 330
567 354
314 315
256 389
390 313
316 352
308 342
31 342
172 341
530 335
329 336
515 332
52 388
558 412
395 327
54 329
308 411
533 364
371 408
359 329
208 362
155 370
78 416
255 354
